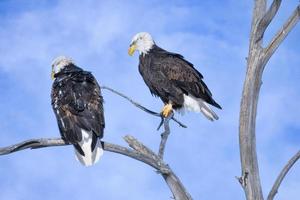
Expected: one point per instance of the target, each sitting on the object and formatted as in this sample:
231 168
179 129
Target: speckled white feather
90 157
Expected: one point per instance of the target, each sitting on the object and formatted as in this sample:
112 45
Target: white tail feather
194 104
90 157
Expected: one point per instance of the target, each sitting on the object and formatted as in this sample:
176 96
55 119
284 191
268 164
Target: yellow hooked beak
52 75
131 49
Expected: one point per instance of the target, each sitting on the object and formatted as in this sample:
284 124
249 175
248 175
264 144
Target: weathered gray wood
282 33
250 179
178 190
267 18
141 148
256 61
176 186
282 175
52 142
140 153
164 137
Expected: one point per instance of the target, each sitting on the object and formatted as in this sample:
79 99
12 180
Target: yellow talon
167 110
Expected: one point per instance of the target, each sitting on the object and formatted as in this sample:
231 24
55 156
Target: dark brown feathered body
169 76
78 104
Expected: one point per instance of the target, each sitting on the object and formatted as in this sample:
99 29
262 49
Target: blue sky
212 34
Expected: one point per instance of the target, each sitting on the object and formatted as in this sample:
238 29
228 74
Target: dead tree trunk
258 56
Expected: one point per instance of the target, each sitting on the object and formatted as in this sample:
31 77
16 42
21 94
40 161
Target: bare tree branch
141 148
140 153
32 144
282 33
176 186
267 18
164 137
142 107
282 175
51 142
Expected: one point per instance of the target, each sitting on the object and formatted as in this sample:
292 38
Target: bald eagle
172 78
78 106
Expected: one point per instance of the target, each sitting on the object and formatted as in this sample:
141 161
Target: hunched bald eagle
78 106
172 78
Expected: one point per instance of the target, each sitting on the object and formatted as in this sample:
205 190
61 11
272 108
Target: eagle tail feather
79 149
92 150
194 104
208 112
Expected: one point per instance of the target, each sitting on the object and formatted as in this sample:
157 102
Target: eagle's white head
59 63
142 42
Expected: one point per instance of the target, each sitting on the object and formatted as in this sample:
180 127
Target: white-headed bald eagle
78 106
172 78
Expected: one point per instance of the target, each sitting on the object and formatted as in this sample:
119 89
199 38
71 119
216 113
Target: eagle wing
78 104
185 76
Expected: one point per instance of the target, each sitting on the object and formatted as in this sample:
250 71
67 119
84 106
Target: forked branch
267 18
282 33
52 142
140 152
